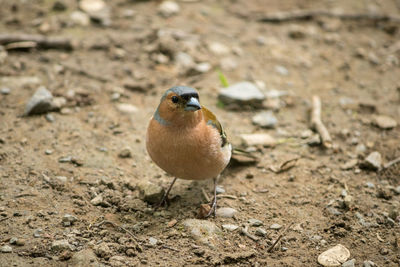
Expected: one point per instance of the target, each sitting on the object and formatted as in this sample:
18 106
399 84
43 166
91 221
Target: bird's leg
164 199
213 203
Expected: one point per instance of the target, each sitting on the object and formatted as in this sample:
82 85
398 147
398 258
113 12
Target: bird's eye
175 99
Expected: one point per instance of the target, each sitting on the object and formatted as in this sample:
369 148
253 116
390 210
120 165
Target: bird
186 140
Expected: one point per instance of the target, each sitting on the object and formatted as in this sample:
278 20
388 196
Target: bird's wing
212 120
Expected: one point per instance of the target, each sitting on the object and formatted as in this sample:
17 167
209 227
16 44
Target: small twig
205 195
227 196
26 195
5 218
171 248
316 122
301 15
117 226
41 41
279 237
391 163
20 45
244 231
379 237
86 73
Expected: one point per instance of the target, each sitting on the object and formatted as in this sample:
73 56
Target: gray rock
281 70
349 164
150 192
49 117
97 200
306 134
153 241
168 8
68 220
230 227
314 140
384 122
360 149
261 232
6 249
202 67
184 62
97 10
57 103
220 189
127 108
125 153
369 264
226 212
369 185
275 226
349 263
65 159
218 49
205 232
102 250
80 18
334 211
40 102
38 233
258 139
334 256
84 258
265 119
373 161
397 190
243 93
255 222
60 245
5 91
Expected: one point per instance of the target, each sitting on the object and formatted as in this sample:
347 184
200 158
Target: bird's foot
163 202
213 209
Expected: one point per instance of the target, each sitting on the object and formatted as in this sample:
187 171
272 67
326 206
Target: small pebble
369 264
369 185
48 151
153 241
373 161
168 8
397 190
5 91
230 227
125 153
349 263
281 70
68 220
6 249
334 256
220 190
261 232
38 232
275 226
255 222
226 212
265 119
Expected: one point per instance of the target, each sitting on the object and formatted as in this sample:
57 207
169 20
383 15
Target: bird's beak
193 104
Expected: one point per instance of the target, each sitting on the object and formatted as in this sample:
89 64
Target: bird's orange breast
192 153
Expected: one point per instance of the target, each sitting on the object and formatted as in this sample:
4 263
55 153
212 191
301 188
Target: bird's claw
213 209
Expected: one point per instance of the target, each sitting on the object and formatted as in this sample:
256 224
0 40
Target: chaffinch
186 140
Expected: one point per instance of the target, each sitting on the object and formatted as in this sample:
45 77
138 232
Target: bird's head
178 104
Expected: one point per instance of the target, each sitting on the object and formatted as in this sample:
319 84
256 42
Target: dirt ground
56 163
